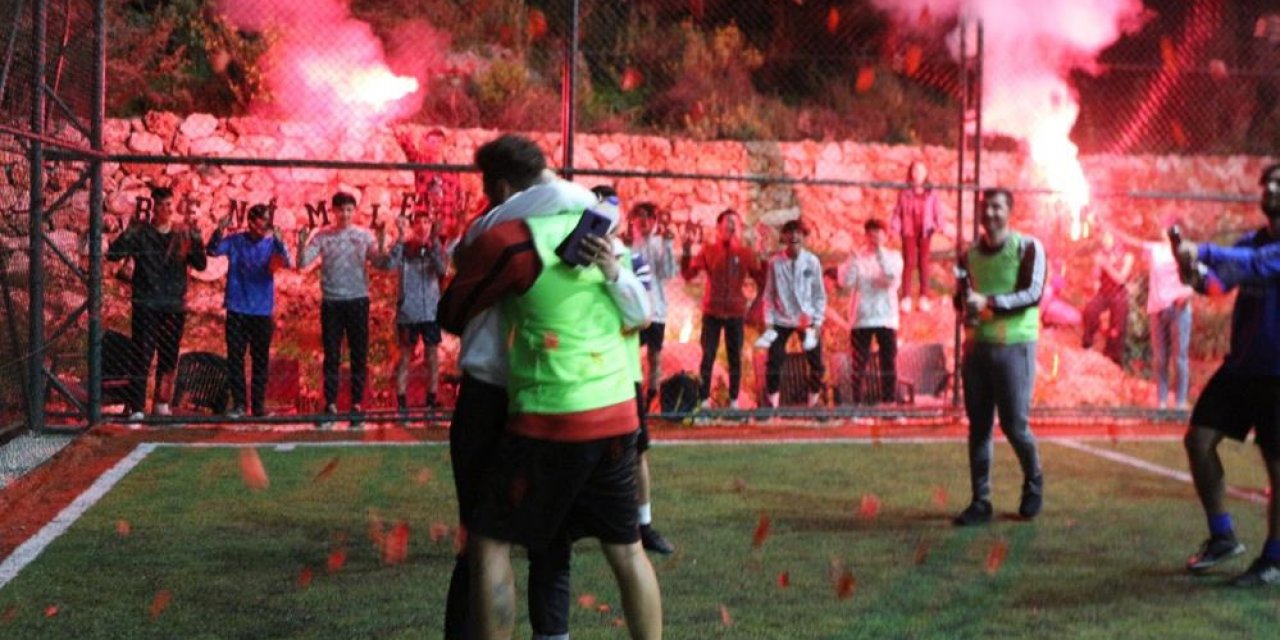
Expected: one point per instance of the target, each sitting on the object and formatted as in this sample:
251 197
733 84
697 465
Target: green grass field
202 556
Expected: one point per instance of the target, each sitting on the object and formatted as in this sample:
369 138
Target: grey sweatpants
998 378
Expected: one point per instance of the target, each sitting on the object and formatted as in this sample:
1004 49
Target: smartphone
590 224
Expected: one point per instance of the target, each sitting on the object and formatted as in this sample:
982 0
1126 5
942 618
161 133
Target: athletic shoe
1261 573
235 412
925 304
978 512
137 416
815 399
330 415
653 541
1214 551
162 409
775 399
906 305
1029 506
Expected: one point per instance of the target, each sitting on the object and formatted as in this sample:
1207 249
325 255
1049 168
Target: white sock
543 636
646 513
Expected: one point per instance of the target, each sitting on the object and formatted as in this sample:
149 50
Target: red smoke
327 67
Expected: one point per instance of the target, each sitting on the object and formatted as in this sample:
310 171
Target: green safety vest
566 348
995 274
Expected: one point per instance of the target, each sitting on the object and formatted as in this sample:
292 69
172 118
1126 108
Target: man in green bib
1007 272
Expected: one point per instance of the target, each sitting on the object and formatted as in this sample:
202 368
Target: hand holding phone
590 224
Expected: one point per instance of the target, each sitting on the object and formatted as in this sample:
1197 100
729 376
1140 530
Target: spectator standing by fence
795 300
162 253
653 245
420 259
874 274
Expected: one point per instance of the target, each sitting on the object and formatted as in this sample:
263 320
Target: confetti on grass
304 578
587 601
869 508
396 549
160 602
252 471
725 617
762 531
123 529
784 580
327 470
995 557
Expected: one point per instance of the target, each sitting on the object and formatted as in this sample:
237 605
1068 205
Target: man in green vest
567 463
1007 274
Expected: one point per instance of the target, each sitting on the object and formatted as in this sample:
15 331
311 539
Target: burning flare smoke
1030 48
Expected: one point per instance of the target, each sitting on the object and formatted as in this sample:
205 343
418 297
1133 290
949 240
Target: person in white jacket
795 303
874 274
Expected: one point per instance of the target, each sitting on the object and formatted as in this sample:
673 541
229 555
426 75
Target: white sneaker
906 305
706 404
733 404
815 399
137 416
162 409
774 399
925 304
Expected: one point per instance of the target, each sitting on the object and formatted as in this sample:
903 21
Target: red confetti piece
762 531
784 580
631 79
911 59
698 111
845 585
550 340
537 24
866 80
337 560
1112 434
160 602
304 578
51 611
725 617
833 20
396 550
252 471
922 553
1168 55
327 470
875 435
603 607
459 539
10 614
123 529
439 531
995 557
1178 133
586 601
619 622
1218 69
377 532
870 507
424 476
940 497
739 485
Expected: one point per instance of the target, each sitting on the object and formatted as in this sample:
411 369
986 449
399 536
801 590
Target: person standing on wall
916 216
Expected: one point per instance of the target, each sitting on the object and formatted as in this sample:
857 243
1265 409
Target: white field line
28 551
1138 463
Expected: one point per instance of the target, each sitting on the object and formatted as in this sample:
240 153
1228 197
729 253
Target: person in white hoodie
875 275
795 302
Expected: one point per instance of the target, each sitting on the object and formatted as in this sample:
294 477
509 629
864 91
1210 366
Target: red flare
866 79
911 59
833 20
396 550
327 470
252 471
762 531
304 578
996 556
586 601
160 602
725 617
123 529
784 580
870 507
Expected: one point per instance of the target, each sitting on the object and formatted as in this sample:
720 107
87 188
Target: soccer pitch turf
801 540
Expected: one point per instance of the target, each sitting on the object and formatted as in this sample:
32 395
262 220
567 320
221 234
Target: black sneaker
1214 551
1261 573
1032 500
978 512
653 541
235 412
357 418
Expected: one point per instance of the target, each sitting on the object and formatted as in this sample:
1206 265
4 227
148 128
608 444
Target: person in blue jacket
253 257
1244 394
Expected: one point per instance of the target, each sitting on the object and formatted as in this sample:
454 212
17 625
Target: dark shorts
407 334
1234 404
642 435
652 336
537 490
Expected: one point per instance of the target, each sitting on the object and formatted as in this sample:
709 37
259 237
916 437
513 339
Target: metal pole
8 47
978 84
568 97
97 116
35 256
962 150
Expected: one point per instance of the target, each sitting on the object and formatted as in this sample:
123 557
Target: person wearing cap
795 303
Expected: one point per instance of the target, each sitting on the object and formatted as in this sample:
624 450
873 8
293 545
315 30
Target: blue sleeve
1241 265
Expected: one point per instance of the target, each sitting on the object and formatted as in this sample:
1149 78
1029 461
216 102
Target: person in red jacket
728 264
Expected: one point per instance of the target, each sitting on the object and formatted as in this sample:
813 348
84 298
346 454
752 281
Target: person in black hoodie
162 252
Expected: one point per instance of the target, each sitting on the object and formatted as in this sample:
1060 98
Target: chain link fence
775 109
